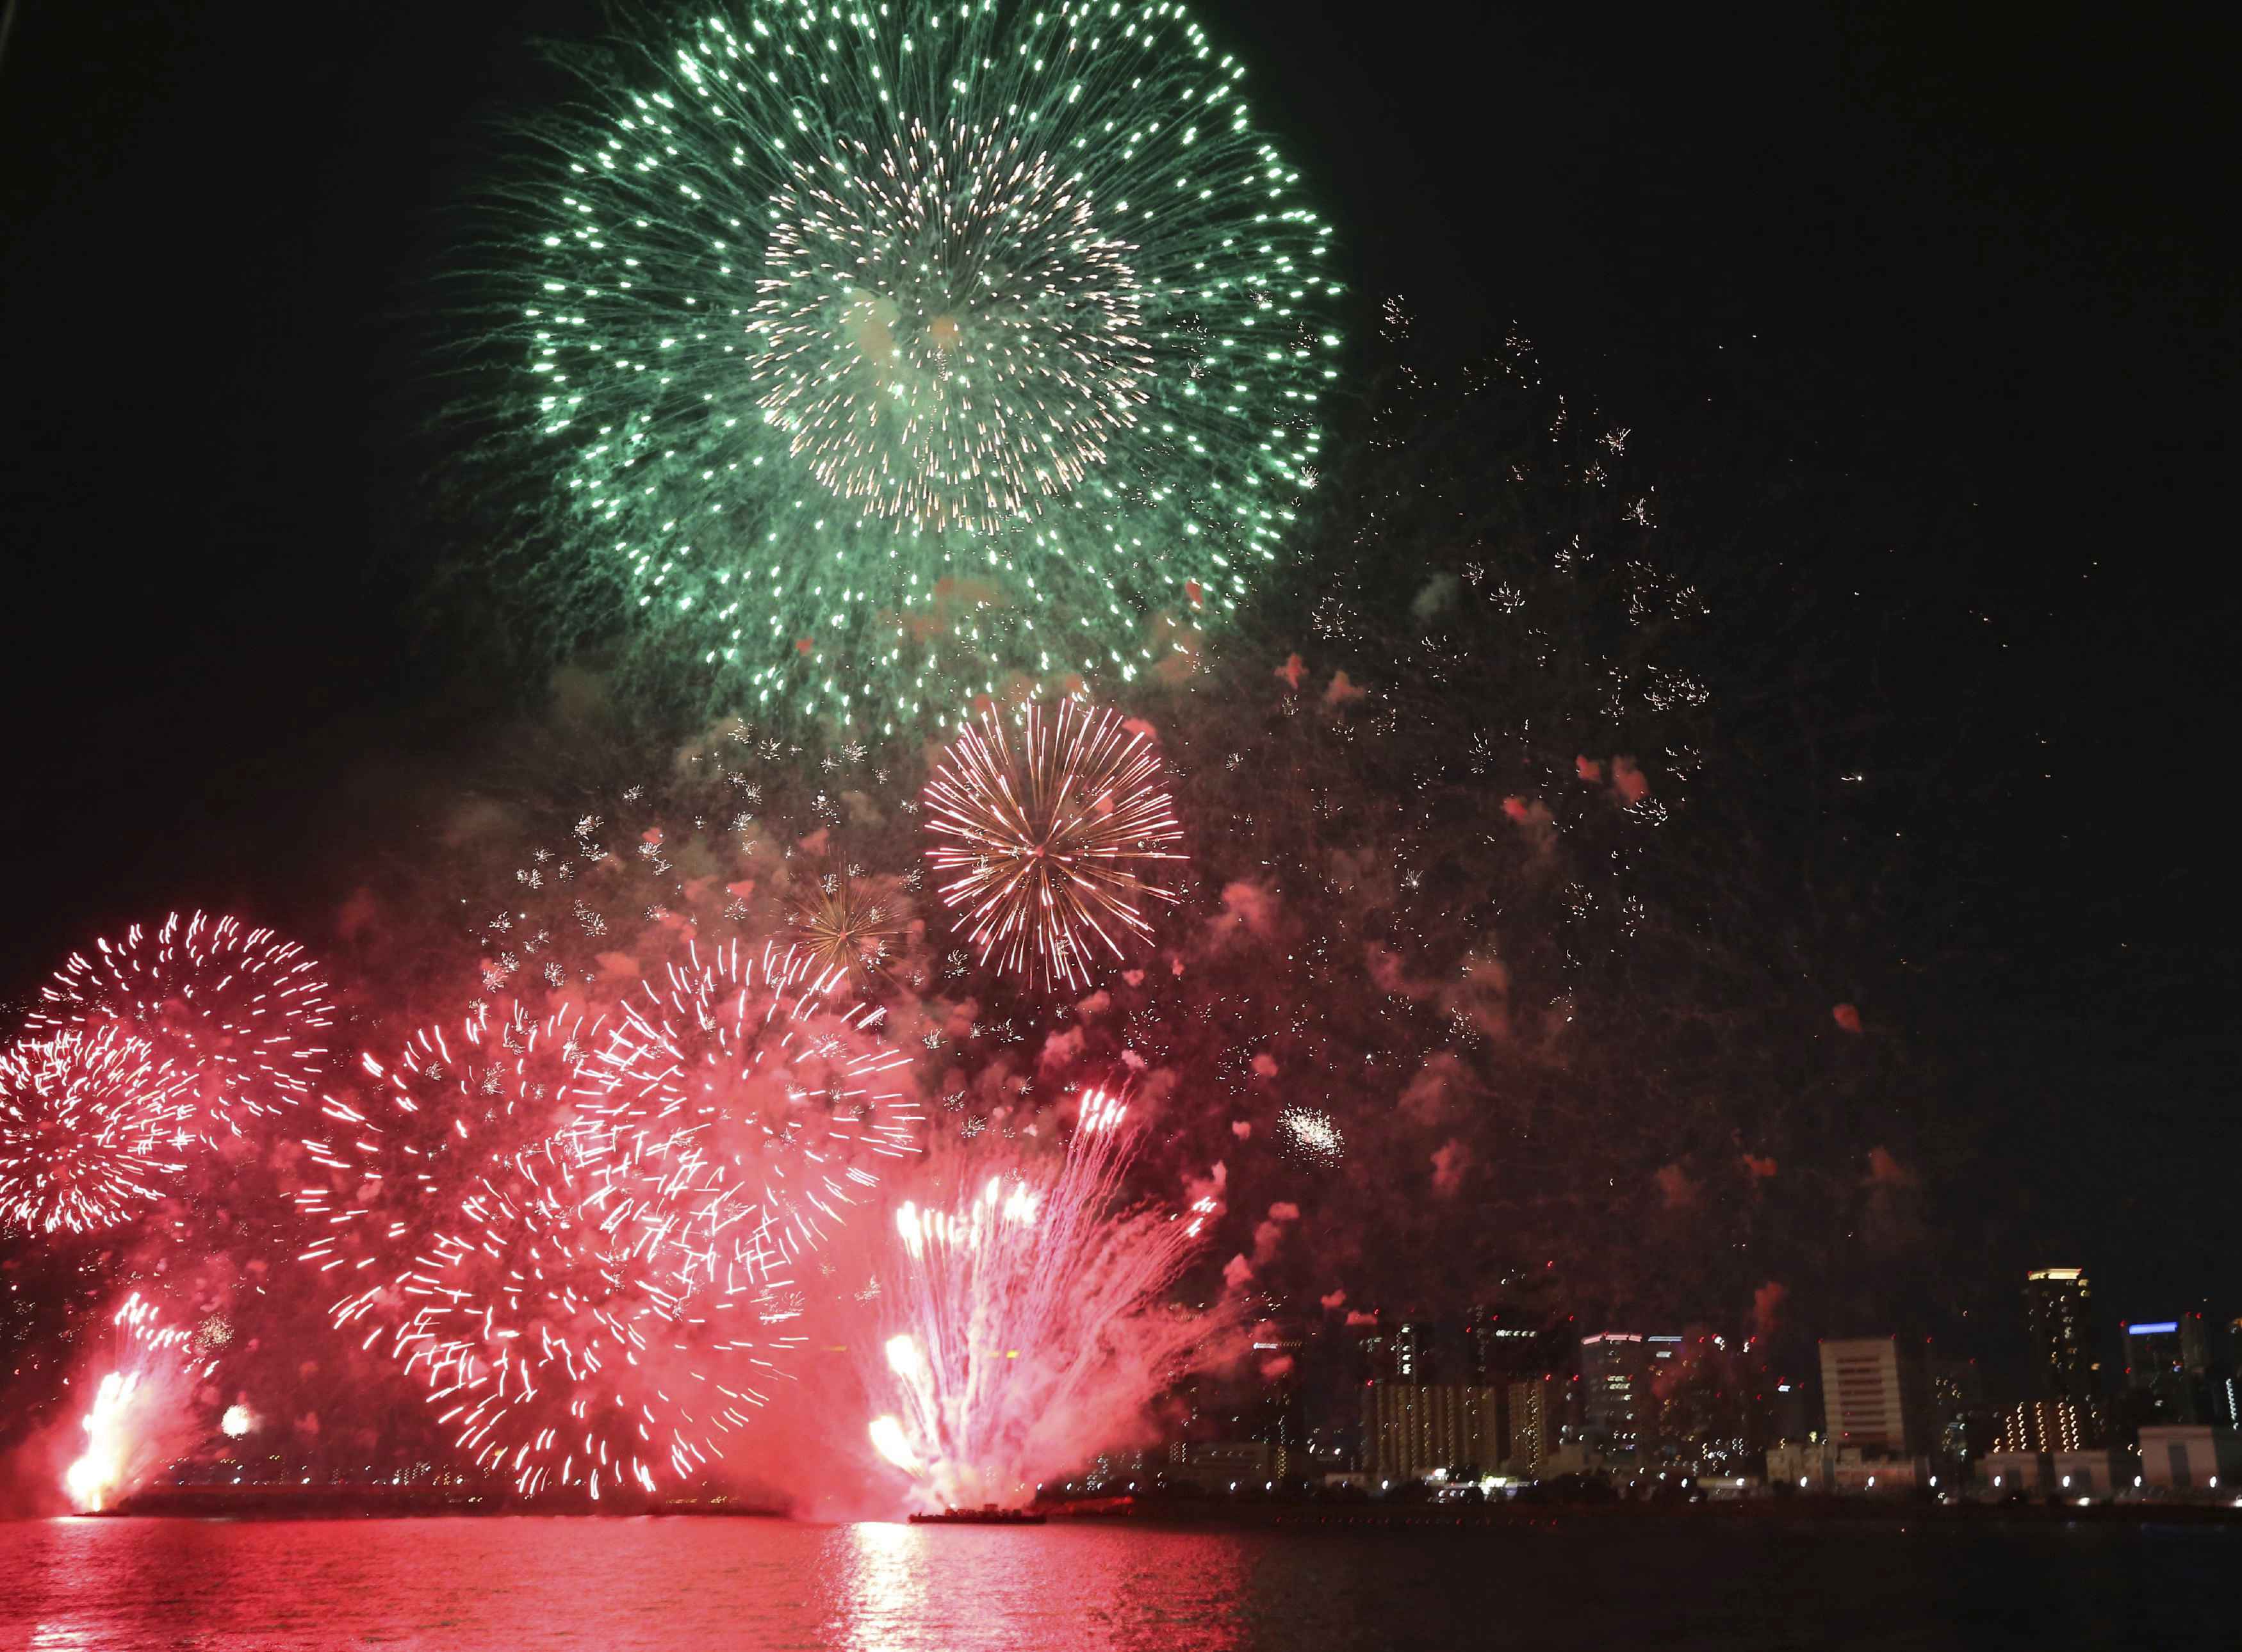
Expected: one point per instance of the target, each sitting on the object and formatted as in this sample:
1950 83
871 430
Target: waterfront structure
1221 1465
1876 1396
2186 1457
1803 1465
2092 1474
2165 1363
1620 1377
2003 1474
1878 1476
1409 1429
2058 1316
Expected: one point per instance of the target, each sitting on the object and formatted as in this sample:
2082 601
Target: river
683 1584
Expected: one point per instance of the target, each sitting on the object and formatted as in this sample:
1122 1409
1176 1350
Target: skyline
1963 674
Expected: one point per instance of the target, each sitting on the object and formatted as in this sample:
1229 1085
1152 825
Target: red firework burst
793 1097
91 1123
240 1009
597 1314
1050 828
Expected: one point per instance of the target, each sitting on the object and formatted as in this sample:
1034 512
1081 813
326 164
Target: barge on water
987 1515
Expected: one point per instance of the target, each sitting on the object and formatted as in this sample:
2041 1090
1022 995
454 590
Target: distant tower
2165 1360
2058 1317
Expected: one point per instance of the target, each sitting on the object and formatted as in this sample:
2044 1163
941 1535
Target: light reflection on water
687 1585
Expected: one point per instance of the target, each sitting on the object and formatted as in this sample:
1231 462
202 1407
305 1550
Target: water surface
1582 1585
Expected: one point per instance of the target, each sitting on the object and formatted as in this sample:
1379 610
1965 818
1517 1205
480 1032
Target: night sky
1953 282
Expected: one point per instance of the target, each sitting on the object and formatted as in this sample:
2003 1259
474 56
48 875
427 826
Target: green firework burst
896 354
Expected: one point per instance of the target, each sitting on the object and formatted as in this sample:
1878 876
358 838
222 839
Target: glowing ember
1050 839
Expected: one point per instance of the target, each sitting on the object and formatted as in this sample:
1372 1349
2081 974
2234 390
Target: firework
92 1123
1313 1135
887 354
1026 1326
241 1009
597 1314
1049 828
845 927
794 1103
137 1423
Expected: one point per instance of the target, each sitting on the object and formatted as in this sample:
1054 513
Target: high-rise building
1620 1374
2058 1317
1875 1395
1396 1350
2048 1426
2165 1360
1409 1429
1963 1424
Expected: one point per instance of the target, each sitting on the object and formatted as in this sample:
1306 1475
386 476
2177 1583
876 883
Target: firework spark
1025 1325
845 927
92 1127
597 1314
241 1009
798 1104
1313 1135
887 354
136 1423
1049 828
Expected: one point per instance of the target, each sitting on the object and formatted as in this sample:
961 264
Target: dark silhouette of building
2167 1371
2059 1318
1620 1401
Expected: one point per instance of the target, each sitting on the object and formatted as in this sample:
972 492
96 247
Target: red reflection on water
1095 1589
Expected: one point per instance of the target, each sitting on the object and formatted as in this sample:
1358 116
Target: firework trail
1050 830
887 354
137 1423
1025 1325
242 1010
92 1126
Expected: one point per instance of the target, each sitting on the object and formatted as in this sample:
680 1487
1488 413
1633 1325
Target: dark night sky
1973 261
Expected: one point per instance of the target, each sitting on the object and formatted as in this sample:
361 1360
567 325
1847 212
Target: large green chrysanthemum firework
891 354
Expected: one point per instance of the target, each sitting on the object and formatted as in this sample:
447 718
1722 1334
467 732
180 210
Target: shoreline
322 1503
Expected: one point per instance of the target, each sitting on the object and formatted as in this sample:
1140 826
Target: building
1875 1397
1397 1351
1220 1465
2049 1425
1799 1465
1620 1377
2092 1473
2166 1362
2059 1318
1409 1429
2183 1458
1962 1422
1863 1475
1541 1424
2003 1474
